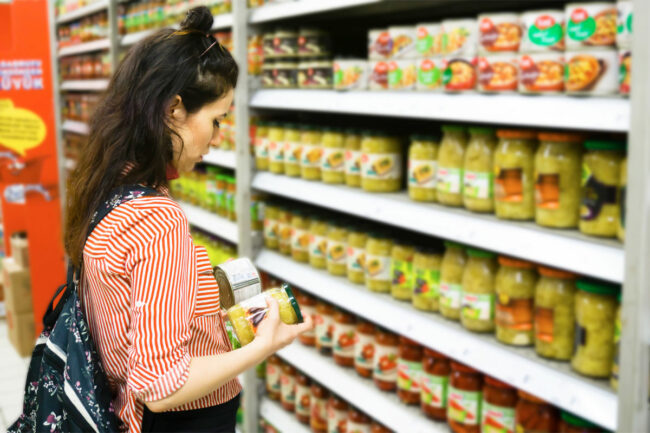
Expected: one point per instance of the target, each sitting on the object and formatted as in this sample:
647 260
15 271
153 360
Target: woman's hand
274 334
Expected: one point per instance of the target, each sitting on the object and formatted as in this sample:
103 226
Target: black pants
216 419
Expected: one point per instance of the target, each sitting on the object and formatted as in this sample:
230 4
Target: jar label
478 306
306 311
354 427
544 324
337 420
547 191
402 272
509 185
497 419
292 150
344 337
262 148
336 252
434 390
427 283
276 151
464 406
285 233
515 314
317 246
318 411
299 239
478 185
545 32
385 363
378 267
381 166
408 375
272 377
333 160
449 180
581 26
270 229
595 195
324 330
356 259
288 386
422 173
311 156
450 295
303 400
364 350
352 162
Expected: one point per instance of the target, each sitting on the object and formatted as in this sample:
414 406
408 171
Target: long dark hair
130 125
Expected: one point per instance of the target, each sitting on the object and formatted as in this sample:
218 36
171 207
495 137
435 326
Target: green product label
579 31
450 295
408 375
450 180
628 22
423 45
434 390
547 36
402 274
429 77
497 419
338 77
478 185
395 76
464 406
447 75
427 282
480 307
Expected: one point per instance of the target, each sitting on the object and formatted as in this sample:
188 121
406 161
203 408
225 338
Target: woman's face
198 131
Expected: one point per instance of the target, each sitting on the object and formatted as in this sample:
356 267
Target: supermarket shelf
87 47
97 6
551 381
222 21
211 223
75 126
360 392
280 418
222 158
563 249
302 7
594 114
133 38
83 85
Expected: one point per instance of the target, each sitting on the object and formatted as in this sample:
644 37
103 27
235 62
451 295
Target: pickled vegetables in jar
300 236
426 278
515 290
261 145
451 279
451 157
271 234
312 151
422 168
333 157
284 230
478 191
318 242
352 144
620 232
402 271
337 246
356 256
292 150
477 305
276 148
378 260
381 162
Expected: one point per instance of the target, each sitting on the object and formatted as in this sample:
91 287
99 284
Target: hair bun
199 19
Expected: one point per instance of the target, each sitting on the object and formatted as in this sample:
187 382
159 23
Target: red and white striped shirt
152 304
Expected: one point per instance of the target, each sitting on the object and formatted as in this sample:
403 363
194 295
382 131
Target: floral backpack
66 388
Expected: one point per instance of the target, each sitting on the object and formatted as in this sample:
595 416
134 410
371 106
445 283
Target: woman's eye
216 123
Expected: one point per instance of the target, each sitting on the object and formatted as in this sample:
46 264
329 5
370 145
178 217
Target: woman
148 292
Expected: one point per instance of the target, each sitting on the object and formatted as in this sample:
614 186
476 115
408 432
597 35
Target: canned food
624 27
429 74
429 39
459 73
499 32
498 73
592 72
459 37
541 73
591 25
378 76
350 74
401 75
268 77
313 42
285 74
542 31
315 74
380 45
238 280
403 40
285 43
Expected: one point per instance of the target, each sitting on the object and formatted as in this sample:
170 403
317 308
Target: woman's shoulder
160 211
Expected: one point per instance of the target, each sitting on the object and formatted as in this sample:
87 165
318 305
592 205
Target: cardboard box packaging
21 332
20 249
17 287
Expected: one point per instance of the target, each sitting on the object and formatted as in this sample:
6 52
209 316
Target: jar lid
453 128
560 137
463 368
424 137
515 263
517 133
433 354
482 254
481 130
452 244
353 131
577 421
292 125
497 383
429 249
556 273
605 145
274 124
524 395
598 287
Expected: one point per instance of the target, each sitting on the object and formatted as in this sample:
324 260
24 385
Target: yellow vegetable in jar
618 326
311 153
262 146
477 305
300 236
451 279
381 162
337 245
422 167
284 230
402 271
276 148
318 242
514 181
451 156
378 250
620 233
271 233
333 158
426 278
557 186
478 186
356 255
554 314
515 290
352 146
292 150
601 173
595 309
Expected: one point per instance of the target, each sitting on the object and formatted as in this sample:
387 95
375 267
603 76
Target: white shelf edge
360 392
82 12
302 7
588 113
83 85
211 223
87 47
222 158
281 419
75 126
551 381
568 250
222 21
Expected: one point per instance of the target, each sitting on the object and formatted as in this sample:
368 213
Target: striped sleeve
163 280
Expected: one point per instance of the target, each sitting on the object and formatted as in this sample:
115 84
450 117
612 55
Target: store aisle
13 370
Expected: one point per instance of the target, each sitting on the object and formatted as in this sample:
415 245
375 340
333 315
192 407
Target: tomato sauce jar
535 415
324 327
464 399
288 387
358 422
434 384
364 348
343 338
498 408
308 308
273 369
337 415
409 369
385 360
318 419
303 398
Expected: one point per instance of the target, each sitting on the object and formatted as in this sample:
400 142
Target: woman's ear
176 110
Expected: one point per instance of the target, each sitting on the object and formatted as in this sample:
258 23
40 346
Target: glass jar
231 194
284 230
276 148
324 327
426 278
478 291
344 335
273 369
601 174
318 419
271 215
451 156
451 279
222 186
333 158
464 399
337 415
515 289
409 370
535 415
384 371
596 304
378 259
620 232
262 146
300 236
514 182
557 180
381 162
292 150
434 384
402 271
423 165
258 210
312 151
308 309
337 245
574 424
318 242
618 326
288 387
554 314
478 185
498 407
352 144
364 348
375 427
356 256
358 422
303 398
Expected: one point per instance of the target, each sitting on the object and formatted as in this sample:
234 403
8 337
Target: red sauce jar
409 369
307 308
358 422
318 418
384 371
324 327
337 415
535 415
464 399
375 427
499 403
434 384
273 369
573 424
343 338
288 387
303 398
364 348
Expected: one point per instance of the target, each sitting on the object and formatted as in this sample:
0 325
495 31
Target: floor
13 370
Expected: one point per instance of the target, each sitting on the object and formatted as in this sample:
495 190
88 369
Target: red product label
579 15
544 22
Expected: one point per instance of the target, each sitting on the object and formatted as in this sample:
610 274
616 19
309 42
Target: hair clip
208 49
